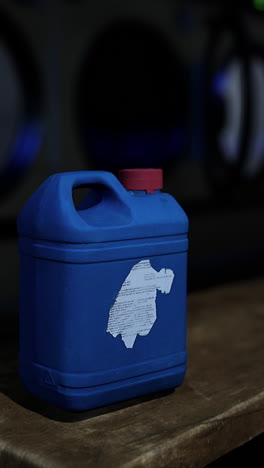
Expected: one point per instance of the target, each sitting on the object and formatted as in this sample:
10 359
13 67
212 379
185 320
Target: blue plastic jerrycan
102 289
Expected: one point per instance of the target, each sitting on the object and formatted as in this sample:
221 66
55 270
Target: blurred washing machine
231 153
108 81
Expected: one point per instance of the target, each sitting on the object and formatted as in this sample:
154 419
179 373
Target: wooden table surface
219 407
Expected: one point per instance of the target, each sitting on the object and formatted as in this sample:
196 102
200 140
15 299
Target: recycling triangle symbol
49 379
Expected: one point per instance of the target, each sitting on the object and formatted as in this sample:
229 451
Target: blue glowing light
25 147
219 83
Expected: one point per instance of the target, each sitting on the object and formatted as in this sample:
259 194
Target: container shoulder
163 211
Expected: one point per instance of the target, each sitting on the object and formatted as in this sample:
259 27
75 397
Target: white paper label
134 310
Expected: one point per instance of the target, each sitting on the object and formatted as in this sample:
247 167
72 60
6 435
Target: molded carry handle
51 214
71 180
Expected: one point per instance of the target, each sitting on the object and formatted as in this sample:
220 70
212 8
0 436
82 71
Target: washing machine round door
132 98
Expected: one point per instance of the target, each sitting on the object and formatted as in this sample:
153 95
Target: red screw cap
141 179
